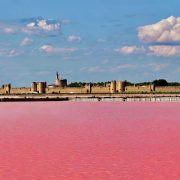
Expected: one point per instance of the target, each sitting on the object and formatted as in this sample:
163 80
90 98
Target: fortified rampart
168 89
140 89
58 90
114 87
100 90
22 90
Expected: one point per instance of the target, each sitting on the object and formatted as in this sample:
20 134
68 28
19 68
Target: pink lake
89 141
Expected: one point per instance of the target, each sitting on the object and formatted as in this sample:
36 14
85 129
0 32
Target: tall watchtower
57 81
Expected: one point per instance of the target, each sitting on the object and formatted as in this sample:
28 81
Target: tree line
157 82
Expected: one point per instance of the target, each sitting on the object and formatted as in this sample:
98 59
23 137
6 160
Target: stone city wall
58 90
138 89
22 90
100 90
115 87
2 91
168 89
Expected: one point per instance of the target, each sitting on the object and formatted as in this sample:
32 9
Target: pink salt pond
89 140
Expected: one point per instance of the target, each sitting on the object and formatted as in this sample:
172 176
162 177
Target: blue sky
97 40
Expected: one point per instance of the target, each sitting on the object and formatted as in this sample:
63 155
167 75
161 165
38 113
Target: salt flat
89 140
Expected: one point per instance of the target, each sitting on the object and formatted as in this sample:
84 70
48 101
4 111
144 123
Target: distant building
58 82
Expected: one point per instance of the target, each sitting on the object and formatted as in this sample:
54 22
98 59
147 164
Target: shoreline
92 97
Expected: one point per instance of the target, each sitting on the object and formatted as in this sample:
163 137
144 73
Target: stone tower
113 87
57 81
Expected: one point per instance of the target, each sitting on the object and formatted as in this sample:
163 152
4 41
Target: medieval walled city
61 87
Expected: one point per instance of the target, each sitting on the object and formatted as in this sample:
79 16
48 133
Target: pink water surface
94 140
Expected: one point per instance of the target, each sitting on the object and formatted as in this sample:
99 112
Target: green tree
160 82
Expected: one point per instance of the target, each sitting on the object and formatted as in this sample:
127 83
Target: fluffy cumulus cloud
32 26
166 51
41 26
130 50
159 39
73 38
165 31
48 49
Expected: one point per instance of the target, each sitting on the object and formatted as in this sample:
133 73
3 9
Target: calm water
95 140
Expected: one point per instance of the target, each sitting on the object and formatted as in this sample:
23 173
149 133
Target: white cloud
73 38
91 69
7 29
26 41
158 67
123 66
41 26
9 52
32 26
165 36
167 30
53 50
48 27
130 50
156 50
42 73
13 53
166 51
101 40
